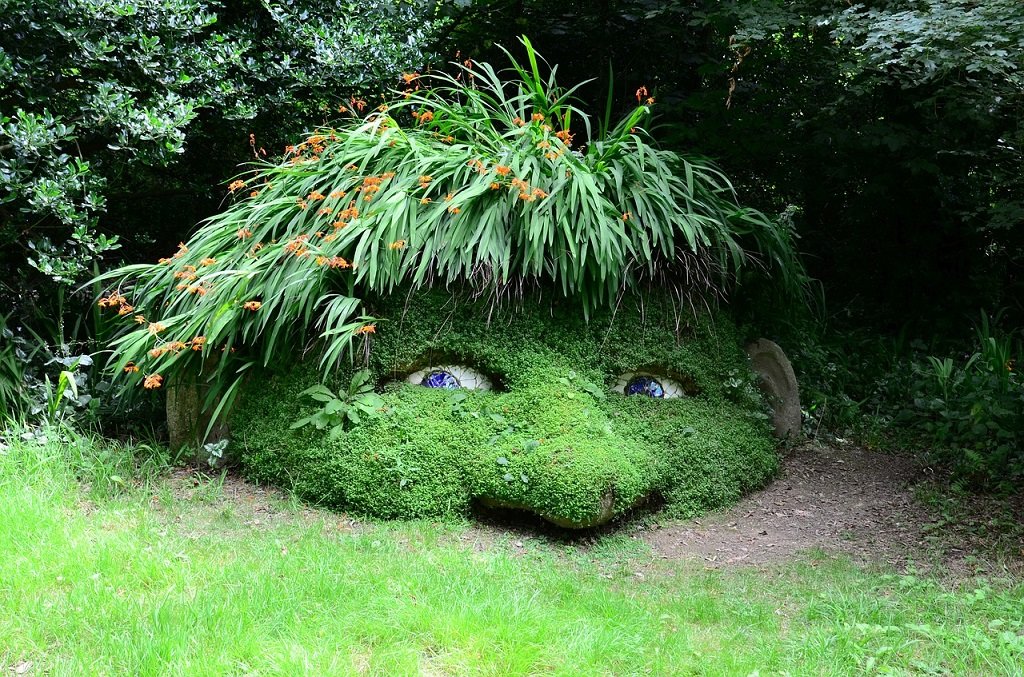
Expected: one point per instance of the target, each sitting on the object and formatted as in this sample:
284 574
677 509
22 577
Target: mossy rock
551 437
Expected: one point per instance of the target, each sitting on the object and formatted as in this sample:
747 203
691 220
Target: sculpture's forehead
528 339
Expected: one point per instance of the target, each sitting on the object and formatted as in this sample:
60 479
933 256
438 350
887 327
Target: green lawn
110 568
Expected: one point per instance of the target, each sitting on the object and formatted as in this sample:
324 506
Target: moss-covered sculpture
552 436
489 182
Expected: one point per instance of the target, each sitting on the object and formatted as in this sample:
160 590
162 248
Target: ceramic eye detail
450 377
649 385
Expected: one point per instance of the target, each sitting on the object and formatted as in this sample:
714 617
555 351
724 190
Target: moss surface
551 437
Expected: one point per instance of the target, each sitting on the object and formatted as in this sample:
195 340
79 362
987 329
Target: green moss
551 437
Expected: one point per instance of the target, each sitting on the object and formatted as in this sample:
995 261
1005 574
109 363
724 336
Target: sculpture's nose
564 460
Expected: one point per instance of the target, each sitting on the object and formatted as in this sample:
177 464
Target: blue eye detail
645 385
440 379
653 385
450 377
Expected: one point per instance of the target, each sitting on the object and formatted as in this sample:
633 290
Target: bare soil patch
874 507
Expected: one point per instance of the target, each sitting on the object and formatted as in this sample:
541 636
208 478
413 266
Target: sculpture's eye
649 385
450 377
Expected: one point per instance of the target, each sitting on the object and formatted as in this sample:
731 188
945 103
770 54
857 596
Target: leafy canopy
478 178
95 93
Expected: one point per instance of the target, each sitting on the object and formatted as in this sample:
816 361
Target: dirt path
874 507
864 504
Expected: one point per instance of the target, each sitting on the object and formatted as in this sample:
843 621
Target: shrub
971 411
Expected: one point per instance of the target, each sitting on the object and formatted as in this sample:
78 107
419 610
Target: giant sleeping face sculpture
527 407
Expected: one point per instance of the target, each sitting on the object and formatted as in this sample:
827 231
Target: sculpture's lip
606 514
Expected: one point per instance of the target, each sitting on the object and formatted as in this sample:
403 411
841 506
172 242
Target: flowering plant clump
484 179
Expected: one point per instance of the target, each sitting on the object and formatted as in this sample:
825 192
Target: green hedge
551 438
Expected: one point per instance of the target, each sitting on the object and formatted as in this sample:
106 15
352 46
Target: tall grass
14 399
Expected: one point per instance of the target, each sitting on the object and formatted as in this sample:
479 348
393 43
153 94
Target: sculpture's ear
778 382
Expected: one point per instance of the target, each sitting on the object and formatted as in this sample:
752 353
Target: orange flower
301 203
254 193
409 78
425 200
537 117
243 233
448 197
297 247
641 93
338 194
252 305
502 170
397 244
139 319
198 343
367 329
340 224
176 346
131 368
164 261
324 211
155 328
565 137
320 260
454 210
235 185
626 216
337 262
425 116
157 352
518 121
495 185
543 144
125 309
182 250
537 192
425 181
208 262
153 381
316 195
649 101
